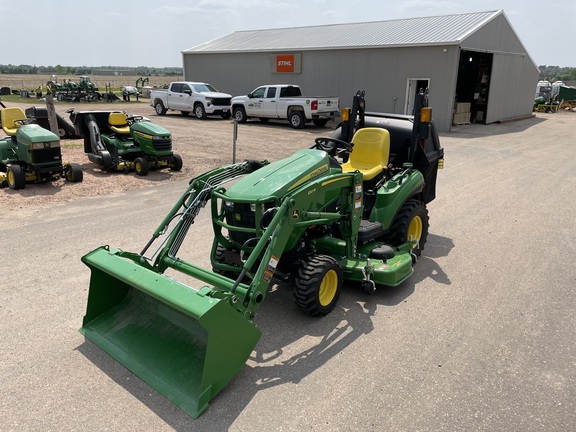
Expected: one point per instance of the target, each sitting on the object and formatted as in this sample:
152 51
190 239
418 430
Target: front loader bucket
184 344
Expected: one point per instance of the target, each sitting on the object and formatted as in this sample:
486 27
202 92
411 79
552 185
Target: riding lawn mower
311 220
30 153
116 141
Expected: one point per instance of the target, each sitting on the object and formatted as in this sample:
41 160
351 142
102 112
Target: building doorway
473 86
412 87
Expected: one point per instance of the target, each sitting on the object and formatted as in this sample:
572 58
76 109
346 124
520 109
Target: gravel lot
480 338
203 144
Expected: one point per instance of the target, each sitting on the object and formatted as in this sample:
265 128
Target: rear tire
16 177
318 285
240 115
297 119
159 108
412 221
74 173
176 162
141 166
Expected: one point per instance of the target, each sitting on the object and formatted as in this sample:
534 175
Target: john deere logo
295 214
237 216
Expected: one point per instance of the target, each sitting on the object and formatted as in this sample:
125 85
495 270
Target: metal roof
435 30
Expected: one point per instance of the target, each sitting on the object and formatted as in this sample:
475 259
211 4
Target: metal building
474 64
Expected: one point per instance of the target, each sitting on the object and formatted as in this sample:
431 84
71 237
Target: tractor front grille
162 144
44 155
221 101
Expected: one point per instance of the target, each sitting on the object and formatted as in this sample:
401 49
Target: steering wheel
332 145
134 118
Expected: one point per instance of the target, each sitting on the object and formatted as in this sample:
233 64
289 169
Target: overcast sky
155 32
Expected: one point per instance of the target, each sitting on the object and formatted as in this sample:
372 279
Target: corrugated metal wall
383 73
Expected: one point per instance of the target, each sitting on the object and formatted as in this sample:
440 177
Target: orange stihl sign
285 63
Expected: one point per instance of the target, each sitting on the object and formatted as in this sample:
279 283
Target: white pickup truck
284 102
200 98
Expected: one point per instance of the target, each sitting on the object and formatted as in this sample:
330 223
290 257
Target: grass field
32 82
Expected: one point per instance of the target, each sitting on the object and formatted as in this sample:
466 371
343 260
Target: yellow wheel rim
328 287
10 178
415 230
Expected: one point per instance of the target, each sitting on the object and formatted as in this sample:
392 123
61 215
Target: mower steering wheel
134 119
332 145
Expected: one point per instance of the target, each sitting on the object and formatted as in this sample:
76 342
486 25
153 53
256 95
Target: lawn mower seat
370 153
9 118
119 123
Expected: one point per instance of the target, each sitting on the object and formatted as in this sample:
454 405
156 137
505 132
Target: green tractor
310 219
30 153
117 142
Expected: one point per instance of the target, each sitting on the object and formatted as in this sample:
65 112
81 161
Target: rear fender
394 193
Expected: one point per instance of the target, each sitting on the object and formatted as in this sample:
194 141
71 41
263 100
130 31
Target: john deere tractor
310 219
118 142
30 153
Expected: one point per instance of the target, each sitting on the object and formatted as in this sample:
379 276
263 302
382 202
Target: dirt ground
203 144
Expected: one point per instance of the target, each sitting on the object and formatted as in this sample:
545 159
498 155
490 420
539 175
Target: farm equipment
118 142
31 153
71 91
307 219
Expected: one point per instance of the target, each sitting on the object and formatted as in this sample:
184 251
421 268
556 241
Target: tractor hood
34 133
283 176
150 129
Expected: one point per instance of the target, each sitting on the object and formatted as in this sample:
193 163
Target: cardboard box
463 107
460 118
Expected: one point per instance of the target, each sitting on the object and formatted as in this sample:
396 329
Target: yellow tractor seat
370 153
9 118
118 123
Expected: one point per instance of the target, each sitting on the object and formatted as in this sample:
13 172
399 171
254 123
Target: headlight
229 204
209 99
253 208
159 138
45 145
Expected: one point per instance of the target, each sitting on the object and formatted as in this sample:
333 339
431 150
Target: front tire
297 119
411 223
141 166
318 285
240 115
16 177
74 173
199 111
176 163
160 109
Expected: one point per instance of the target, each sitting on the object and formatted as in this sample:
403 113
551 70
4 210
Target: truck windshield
203 88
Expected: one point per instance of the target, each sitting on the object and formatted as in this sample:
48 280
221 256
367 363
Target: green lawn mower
30 153
116 141
311 219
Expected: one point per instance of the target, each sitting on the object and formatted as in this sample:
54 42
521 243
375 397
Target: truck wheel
159 107
240 115
297 119
318 285
16 177
176 162
74 173
199 111
141 166
320 122
411 222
